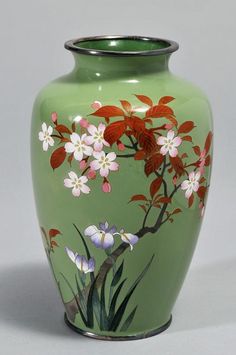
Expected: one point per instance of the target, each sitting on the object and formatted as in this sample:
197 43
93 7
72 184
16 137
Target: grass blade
103 313
117 275
128 320
119 313
76 300
86 249
91 304
114 301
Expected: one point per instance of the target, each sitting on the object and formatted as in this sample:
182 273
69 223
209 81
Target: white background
32 34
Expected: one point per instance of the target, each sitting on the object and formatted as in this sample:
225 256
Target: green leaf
86 249
117 275
113 303
121 310
103 313
90 304
128 320
76 300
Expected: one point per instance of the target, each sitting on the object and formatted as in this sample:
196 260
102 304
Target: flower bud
91 174
84 123
96 105
106 186
54 117
82 164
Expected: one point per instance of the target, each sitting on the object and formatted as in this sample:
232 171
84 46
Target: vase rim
166 46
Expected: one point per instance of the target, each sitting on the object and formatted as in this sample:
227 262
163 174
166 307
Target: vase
121 159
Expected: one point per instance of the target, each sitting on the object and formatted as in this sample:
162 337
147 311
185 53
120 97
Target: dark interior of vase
123 44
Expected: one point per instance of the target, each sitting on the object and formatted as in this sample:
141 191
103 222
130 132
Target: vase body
121 160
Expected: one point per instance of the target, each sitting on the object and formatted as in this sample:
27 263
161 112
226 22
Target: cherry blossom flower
96 137
169 144
78 146
104 163
192 184
101 237
45 136
81 262
129 238
96 105
78 184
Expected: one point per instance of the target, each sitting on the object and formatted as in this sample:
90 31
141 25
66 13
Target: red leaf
197 150
172 119
53 232
155 185
138 124
202 192
187 138
208 160
62 129
177 210
108 111
147 141
184 155
165 200
208 142
114 131
186 127
138 198
145 99
165 100
126 106
143 208
54 244
58 157
159 111
153 163
190 200
140 155
177 165
202 180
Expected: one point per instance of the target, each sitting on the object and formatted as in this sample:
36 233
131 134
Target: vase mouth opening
120 46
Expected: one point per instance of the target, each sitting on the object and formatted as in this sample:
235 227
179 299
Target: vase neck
117 56
101 66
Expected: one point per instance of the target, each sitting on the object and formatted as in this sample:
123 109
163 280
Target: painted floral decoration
173 163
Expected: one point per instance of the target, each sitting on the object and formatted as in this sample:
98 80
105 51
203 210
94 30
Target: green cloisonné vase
121 160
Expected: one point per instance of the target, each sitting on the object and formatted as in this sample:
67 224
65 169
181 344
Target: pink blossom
96 137
78 146
169 144
96 105
104 163
192 184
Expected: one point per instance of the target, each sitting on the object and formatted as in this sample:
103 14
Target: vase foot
118 338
